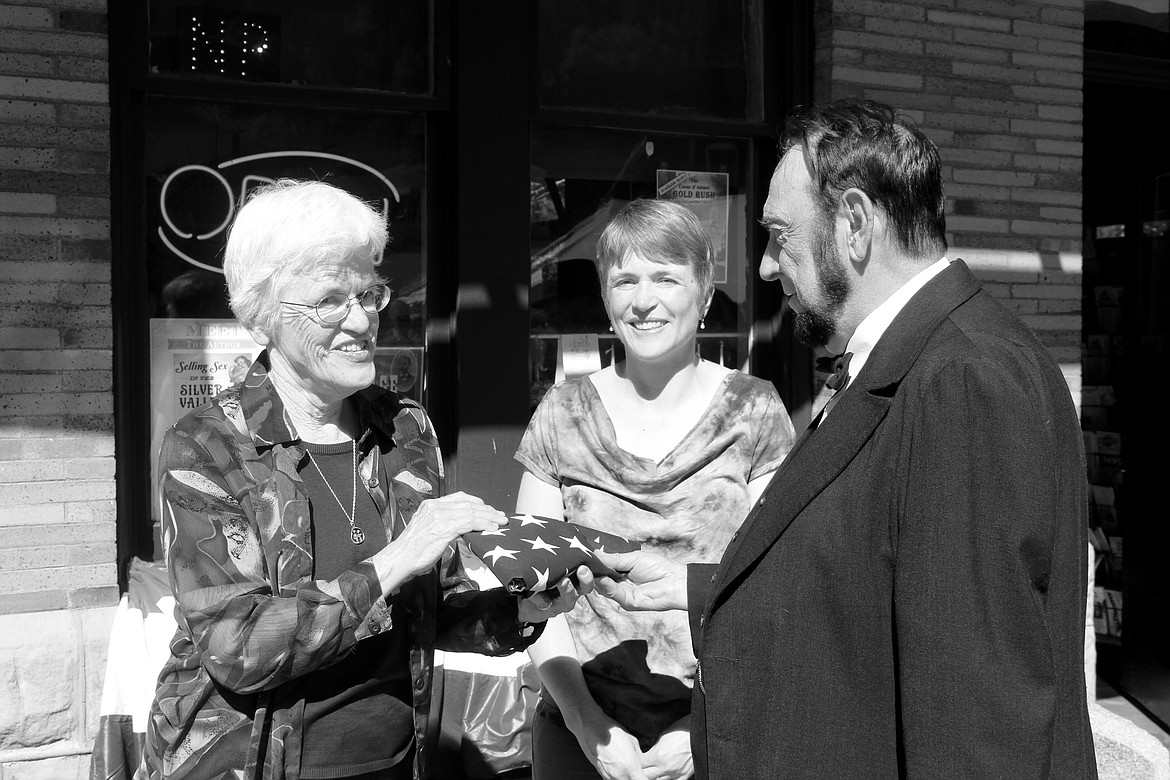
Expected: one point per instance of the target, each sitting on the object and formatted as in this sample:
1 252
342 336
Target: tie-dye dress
639 665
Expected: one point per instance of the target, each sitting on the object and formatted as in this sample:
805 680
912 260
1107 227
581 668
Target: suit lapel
821 455
815 461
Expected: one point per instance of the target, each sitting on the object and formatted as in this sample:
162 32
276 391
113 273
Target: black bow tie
838 367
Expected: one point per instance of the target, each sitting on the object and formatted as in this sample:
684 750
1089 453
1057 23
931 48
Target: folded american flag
532 553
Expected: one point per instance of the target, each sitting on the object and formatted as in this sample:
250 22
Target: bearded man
907 597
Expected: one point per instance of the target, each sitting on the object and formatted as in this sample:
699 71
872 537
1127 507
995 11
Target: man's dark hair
866 145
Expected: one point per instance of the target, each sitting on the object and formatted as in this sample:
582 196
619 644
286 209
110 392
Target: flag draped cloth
532 553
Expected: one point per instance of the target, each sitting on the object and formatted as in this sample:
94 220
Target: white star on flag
540 544
499 552
543 561
575 542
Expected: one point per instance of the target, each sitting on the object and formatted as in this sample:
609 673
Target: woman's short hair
660 231
283 230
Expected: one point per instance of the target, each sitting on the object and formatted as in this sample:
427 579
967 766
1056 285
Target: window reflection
698 58
1133 27
208 156
196 293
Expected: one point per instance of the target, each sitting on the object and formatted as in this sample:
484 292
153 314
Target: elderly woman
664 448
308 539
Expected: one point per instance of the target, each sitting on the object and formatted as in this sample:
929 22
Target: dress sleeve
772 431
250 638
538 448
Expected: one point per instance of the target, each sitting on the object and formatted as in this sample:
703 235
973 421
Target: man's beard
816 325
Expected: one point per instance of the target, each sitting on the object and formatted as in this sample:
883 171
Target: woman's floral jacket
251 620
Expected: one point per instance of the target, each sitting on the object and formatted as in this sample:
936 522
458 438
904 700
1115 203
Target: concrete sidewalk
1116 703
1129 744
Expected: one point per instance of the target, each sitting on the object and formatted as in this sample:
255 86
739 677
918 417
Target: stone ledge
52 667
56 762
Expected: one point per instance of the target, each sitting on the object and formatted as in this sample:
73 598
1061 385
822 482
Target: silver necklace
356 534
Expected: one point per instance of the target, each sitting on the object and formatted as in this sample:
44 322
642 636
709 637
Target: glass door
1126 346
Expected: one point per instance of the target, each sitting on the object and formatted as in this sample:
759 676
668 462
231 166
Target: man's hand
650 582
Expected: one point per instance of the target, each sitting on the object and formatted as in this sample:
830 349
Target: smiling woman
662 448
280 563
326 263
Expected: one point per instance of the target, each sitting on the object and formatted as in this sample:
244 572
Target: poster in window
400 370
191 361
705 194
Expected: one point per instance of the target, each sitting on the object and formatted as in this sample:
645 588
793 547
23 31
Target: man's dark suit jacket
908 597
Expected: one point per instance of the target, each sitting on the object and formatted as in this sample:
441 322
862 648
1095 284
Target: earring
703 323
611 327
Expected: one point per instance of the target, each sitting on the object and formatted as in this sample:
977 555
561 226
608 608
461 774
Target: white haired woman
308 539
663 448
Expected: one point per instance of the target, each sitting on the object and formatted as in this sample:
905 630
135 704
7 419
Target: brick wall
57 520
997 86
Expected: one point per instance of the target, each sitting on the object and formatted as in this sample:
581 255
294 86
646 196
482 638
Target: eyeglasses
335 308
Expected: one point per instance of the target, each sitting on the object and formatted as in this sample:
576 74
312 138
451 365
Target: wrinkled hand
541 606
439 521
670 758
613 751
651 582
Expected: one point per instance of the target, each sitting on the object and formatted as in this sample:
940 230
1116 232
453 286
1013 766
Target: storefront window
1132 27
399 101
202 160
580 178
374 44
693 59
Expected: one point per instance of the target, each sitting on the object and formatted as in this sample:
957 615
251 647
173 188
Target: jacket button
373 482
420 683
375 628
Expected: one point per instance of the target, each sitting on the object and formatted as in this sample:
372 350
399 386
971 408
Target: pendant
357 535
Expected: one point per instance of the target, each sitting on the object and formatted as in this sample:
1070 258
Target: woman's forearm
555 657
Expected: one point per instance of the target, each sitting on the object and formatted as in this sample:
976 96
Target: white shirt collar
866 337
